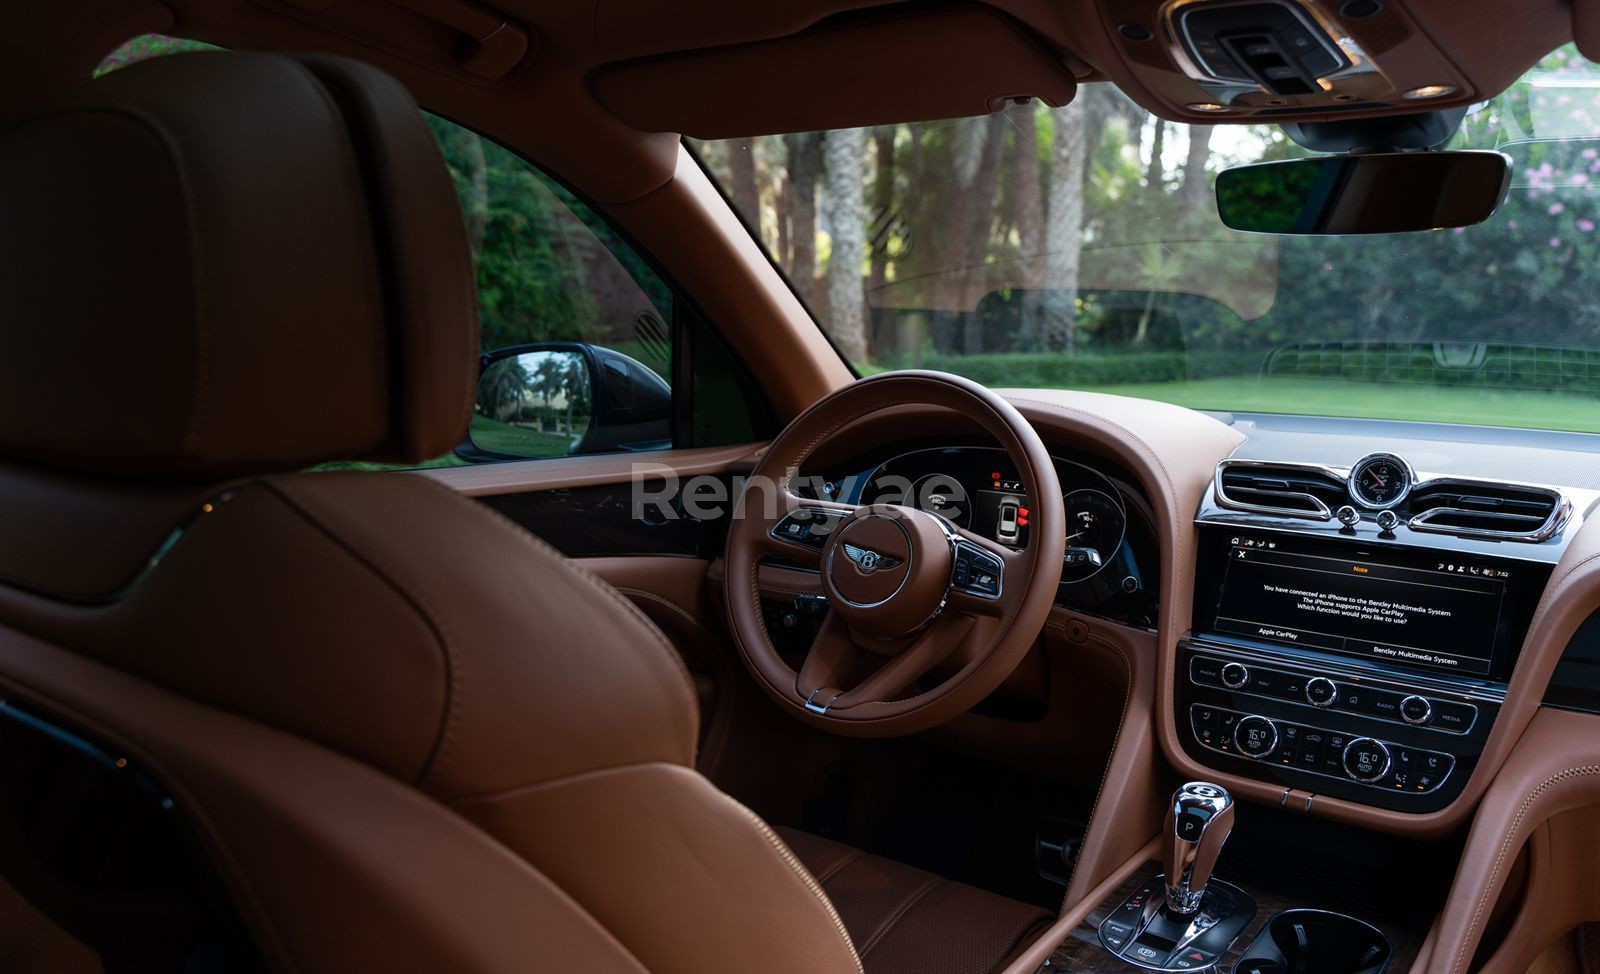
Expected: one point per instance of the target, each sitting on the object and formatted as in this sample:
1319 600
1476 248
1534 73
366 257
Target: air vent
1504 511
1288 489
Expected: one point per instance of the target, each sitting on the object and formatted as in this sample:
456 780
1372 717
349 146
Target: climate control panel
1320 751
1374 737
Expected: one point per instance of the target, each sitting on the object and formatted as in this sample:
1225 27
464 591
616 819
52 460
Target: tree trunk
477 204
805 159
1192 192
742 180
846 154
882 216
1057 313
971 225
1027 192
1155 173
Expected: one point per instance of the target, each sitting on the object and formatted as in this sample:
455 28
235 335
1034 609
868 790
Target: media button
1235 675
1453 716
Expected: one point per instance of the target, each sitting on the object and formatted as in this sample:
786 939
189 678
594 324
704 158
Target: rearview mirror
1390 192
558 399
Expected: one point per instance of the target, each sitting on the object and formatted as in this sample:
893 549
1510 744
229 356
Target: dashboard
1356 622
1111 564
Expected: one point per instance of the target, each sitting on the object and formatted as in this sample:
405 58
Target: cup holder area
1316 942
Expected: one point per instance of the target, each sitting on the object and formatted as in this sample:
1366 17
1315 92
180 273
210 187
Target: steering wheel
907 590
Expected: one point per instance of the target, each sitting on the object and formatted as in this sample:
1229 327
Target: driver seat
406 735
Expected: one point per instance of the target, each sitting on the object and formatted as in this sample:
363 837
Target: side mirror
1388 192
559 399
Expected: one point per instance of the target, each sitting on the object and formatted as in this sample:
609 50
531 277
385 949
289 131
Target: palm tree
502 388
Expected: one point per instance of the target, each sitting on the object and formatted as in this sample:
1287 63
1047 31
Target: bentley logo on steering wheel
868 560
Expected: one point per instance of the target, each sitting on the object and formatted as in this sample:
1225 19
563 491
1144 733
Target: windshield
1080 248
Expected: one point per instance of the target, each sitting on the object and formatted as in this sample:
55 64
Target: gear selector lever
1198 822
1182 919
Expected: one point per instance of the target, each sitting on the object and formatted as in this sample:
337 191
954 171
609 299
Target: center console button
1366 760
1235 675
1206 670
1321 691
1416 710
1256 737
1453 716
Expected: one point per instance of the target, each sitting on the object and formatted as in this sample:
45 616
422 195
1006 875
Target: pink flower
1555 241
1587 226
1512 224
1577 179
1555 208
1589 153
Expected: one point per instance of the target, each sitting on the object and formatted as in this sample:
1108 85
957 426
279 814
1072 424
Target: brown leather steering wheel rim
991 634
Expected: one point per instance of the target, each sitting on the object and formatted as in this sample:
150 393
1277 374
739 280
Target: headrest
217 264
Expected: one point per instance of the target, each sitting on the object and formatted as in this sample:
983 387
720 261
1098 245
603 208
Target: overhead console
1311 60
1355 629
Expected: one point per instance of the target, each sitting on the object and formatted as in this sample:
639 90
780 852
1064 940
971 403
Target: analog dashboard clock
1380 480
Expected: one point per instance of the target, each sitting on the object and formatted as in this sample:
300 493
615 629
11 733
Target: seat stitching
1505 847
594 581
896 915
804 876
284 489
851 855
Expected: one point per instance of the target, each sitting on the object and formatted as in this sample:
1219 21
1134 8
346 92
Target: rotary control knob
1321 691
1366 760
1235 675
1416 710
1388 521
1255 737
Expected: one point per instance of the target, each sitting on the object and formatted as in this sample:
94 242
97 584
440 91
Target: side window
586 349
577 328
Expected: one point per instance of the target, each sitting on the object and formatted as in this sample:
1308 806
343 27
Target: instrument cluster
1110 564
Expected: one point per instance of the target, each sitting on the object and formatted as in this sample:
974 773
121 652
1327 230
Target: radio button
1366 760
1235 675
1321 691
1416 710
1382 703
1256 737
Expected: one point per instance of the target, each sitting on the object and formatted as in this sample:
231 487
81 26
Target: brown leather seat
409 736
906 921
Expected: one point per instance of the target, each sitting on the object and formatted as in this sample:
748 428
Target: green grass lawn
1334 397
519 441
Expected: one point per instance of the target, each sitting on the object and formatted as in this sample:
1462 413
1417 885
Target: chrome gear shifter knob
1198 822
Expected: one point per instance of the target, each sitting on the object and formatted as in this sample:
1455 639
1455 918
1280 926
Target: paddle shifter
1180 919
1198 822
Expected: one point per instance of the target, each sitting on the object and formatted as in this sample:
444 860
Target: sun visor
944 63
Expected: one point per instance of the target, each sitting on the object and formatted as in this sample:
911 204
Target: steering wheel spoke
837 658
979 576
799 528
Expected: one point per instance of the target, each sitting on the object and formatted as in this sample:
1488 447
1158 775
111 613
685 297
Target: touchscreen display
1439 611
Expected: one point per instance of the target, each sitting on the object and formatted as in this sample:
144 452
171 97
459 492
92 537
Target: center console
1354 656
